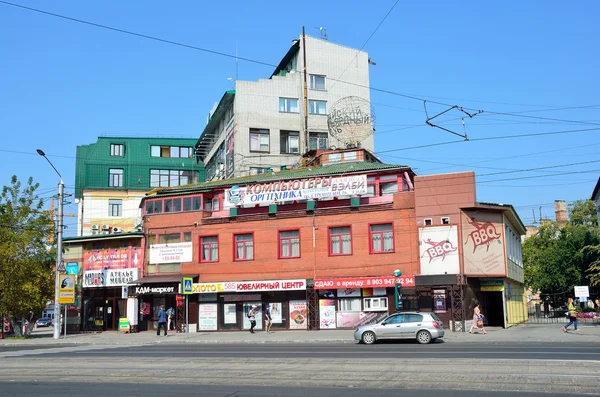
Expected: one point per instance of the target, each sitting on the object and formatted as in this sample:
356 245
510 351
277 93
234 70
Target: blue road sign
188 286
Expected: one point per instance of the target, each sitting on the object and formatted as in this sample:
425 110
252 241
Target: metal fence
552 309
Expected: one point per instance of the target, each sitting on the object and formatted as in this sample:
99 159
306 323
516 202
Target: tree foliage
559 257
26 268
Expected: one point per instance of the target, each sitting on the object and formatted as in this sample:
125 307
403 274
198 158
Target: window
318 141
413 318
289 141
428 222
244 247
169 238
340 241
209 249
317 82
171 151
157 207
335 157
115 177
117 149
215 204
388 185
397 319
350 156
258 170
288 105
289 244
317 107
115 207
382 238
349 305
173 205
445 220
375 304
259 140
166 178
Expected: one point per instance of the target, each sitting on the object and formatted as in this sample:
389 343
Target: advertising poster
327 313
298 315
348 292
276 312
230 152
229 313
171 253
348 320
483 243
207 317
439 301
113 258
438 247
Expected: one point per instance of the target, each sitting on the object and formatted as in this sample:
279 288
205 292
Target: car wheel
368 338
423 337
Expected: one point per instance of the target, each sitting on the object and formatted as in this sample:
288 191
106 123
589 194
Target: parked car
424 327
44 322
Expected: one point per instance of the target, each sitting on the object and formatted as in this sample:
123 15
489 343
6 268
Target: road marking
55 350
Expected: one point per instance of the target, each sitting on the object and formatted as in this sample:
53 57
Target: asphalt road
235 370
405 350
141 390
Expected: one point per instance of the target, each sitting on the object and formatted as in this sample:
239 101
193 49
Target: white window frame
115 206
313 107
289 136
427 220
261 134
117 149
116 177
375 304
313 82
446 219
285 105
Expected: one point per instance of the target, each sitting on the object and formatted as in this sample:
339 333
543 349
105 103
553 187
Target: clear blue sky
64 84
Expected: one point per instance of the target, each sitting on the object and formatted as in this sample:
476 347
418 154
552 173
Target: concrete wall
93 210
256 103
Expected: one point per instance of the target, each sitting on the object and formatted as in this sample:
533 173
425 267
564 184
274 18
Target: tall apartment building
262 125
113 175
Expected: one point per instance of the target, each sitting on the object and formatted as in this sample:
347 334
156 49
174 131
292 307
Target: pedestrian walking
252 318
162 320
170 318
477 319
572 315
268 318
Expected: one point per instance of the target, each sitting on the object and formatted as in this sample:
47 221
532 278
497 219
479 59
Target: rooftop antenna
323 32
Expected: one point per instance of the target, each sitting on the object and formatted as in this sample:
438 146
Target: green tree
26 269
556 258
583 212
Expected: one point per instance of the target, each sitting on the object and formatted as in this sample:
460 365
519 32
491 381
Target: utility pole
305 91
59 248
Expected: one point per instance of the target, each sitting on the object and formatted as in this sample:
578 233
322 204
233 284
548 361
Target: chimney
560 209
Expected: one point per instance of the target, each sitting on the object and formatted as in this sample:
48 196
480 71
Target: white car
424 327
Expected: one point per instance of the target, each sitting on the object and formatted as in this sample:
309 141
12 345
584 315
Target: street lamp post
59 249
398 290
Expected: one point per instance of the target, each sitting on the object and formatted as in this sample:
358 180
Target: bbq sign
483 243
439 250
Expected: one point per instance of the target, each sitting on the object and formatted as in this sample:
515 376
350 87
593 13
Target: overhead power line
419 98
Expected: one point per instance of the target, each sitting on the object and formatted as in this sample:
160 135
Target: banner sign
113 258
109 278
155 289
363 282
249 286
296 189
66 289
170 253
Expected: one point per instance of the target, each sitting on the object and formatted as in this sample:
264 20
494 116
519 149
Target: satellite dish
351 121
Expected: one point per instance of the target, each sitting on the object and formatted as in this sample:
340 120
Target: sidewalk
530 333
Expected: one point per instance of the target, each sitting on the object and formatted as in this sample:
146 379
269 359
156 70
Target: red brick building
286 239
320 245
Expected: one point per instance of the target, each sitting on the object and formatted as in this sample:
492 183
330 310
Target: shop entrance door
494 308
110 314
247 306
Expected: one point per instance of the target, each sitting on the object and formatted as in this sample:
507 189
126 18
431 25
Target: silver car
424 327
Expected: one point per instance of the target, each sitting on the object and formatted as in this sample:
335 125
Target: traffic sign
66 289
188 285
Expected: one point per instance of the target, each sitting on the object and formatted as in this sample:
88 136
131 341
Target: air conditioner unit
94 232
105 227
117 230
95 227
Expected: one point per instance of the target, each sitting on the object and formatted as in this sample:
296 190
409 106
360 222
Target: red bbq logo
484 234
439 249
